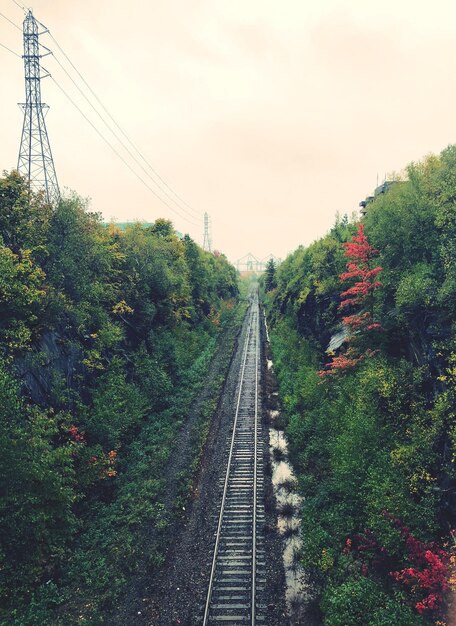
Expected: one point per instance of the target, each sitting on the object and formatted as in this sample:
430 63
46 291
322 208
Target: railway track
237 577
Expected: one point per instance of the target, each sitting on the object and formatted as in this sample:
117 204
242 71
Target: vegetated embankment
371 421
106 337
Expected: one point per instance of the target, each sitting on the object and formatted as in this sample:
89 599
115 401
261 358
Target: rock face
337 339
53 364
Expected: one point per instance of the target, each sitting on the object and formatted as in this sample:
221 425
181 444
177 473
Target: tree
270 282
359 267
360 254
22 295
24 217
37 483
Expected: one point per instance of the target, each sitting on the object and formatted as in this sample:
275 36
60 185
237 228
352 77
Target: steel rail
231 554
255 464
227 475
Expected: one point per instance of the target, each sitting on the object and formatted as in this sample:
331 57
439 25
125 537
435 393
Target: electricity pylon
35 157
207 242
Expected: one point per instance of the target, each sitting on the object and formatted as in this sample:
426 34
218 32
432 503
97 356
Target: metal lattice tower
207 241
35 157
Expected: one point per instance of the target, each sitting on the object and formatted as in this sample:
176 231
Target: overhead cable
9 50
21 6
132 144
117 153
181 211
11 22
119 139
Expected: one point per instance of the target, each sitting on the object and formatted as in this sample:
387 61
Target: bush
361 601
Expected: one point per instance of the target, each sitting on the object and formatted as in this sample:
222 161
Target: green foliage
38 486
361 602
111 332
414 228
22 293
153 380
380 438
116 407
269 279
308 284
82 254
24 218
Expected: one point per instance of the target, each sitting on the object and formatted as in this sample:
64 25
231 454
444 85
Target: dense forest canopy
105 335
364 342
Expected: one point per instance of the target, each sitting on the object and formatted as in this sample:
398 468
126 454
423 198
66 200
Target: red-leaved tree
426 574
423 571
360 296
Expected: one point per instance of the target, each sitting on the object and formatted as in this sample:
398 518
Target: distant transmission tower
35 157
207 242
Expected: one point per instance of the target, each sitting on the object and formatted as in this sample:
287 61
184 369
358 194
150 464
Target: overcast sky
269 115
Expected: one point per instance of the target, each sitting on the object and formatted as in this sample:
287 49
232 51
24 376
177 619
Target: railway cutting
235 594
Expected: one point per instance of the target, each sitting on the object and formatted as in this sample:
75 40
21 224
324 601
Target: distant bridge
252 265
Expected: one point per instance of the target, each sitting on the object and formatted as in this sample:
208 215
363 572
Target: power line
121 130
117 153
191 217
119 139
21 6
9 50
11 22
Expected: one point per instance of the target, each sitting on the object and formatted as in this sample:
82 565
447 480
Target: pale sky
269 115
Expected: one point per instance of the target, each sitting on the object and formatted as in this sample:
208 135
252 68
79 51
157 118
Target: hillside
371 420
106 336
